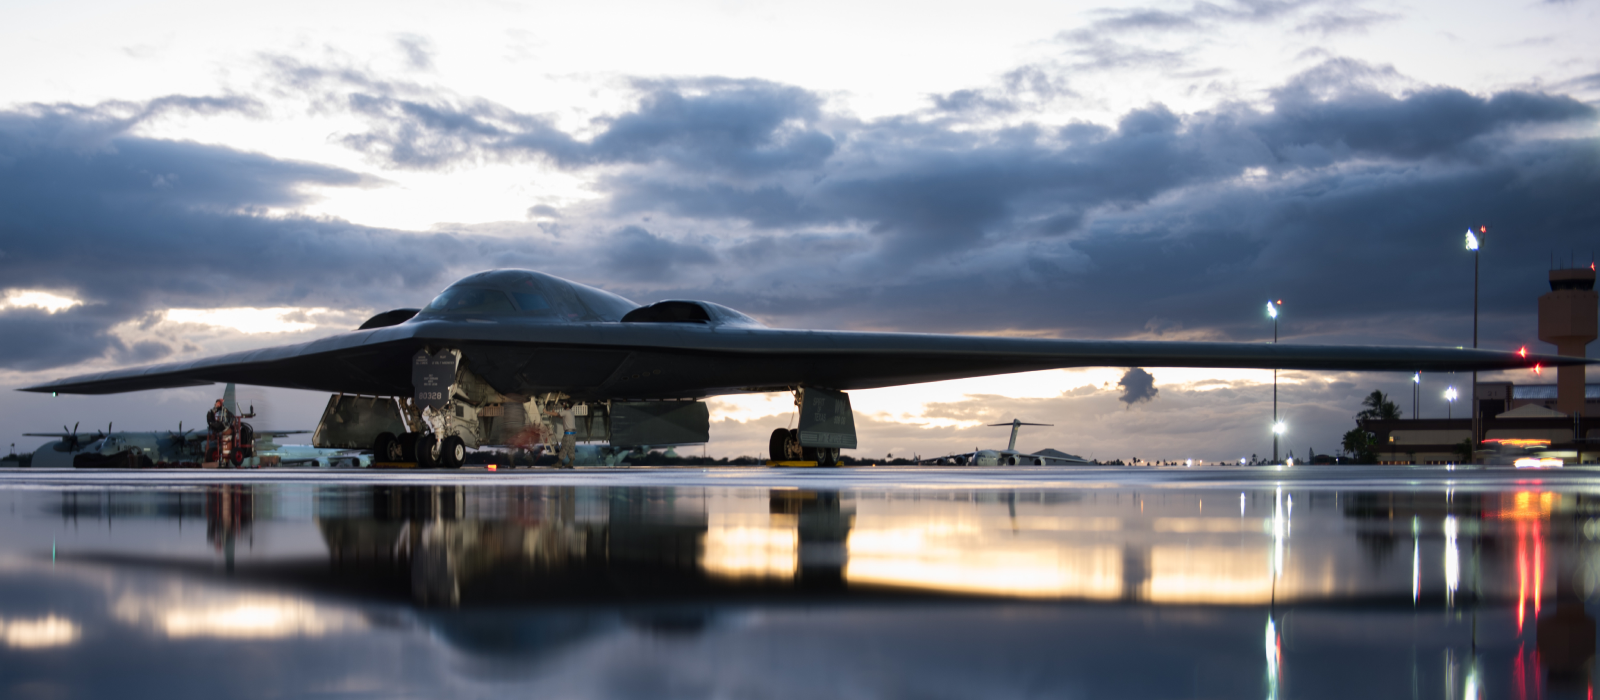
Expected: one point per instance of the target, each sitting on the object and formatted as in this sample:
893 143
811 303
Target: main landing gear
784 446
423 448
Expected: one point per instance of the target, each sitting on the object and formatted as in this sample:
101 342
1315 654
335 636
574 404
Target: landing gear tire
386 448
452 453
777 445
827 457
236 457
785 446
426 445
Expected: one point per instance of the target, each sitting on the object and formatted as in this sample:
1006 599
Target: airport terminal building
1515 418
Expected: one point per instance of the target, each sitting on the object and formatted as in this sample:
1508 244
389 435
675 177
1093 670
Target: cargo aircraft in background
1010 457
174 448
507 355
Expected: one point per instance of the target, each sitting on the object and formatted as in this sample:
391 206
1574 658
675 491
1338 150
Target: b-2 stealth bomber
498 353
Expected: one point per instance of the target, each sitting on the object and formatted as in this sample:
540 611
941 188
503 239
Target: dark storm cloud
131 225
751 151
635 253
739 127
1425 123
1137 386
33 339
726 126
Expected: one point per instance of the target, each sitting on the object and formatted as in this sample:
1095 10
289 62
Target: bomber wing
708 360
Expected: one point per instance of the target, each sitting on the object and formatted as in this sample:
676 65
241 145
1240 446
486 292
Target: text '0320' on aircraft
509 353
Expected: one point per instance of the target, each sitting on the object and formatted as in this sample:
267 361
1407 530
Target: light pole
1473 243
1450 396
1277 426
1416 394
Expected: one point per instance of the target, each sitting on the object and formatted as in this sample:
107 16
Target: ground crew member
220 420
569 434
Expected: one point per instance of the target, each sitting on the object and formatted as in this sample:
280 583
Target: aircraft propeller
181 437
72 438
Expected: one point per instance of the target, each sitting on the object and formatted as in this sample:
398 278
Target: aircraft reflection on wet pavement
690 592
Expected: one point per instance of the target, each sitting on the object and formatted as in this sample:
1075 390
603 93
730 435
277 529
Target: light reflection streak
912 558
1522 573
1274 658
1538 569
39 633
1215 575
179 616
1280 533
1416 569
1452 560
750 545
1519 675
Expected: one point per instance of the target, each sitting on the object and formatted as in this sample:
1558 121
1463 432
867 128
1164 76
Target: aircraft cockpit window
531 301
471 300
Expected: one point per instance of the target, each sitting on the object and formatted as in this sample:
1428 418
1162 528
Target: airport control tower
1567 319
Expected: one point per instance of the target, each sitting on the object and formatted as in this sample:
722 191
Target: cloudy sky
180 178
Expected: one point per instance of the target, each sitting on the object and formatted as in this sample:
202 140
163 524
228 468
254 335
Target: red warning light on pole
1539 370
1524 351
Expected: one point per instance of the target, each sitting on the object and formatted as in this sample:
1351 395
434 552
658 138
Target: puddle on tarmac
381 590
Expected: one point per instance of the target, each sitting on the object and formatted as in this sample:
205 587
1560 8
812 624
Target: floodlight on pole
1474 242
1272 310
1279 427
1450 396
1416 395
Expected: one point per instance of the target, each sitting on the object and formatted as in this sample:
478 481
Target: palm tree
1378 407
1360 446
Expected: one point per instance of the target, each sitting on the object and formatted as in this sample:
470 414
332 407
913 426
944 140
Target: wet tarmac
839 583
